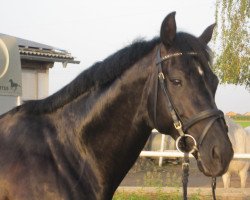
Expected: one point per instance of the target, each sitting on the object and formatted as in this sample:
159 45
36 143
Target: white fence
177 154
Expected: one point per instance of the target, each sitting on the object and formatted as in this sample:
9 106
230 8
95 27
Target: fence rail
177 154
162 153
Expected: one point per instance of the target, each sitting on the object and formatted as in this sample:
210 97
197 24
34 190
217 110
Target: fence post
162 148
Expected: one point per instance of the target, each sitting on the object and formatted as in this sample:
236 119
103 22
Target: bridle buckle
161 76
177 125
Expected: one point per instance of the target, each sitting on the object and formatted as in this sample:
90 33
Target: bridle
179 124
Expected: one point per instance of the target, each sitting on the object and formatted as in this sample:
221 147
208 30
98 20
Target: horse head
182 98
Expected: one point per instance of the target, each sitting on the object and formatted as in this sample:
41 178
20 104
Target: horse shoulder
25 162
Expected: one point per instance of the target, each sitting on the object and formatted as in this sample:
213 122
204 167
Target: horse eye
176 82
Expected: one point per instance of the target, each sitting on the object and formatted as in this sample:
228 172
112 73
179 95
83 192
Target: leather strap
185 174
213 186
210 123
202 115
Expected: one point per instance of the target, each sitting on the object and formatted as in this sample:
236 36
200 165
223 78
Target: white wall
35 84
7 103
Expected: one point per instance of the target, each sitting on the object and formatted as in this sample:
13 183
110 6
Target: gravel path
147 176
146 173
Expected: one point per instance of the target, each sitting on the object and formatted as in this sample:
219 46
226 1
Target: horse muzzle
217 165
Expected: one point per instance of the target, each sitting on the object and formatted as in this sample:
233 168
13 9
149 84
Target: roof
30 50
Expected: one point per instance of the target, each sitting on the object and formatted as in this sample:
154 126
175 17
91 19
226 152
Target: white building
24 70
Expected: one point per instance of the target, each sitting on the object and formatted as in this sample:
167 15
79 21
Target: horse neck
110 124
117 120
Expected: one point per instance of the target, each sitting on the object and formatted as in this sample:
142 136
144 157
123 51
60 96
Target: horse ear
207 34
168 29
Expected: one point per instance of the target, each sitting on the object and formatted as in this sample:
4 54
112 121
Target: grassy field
159 195
243 123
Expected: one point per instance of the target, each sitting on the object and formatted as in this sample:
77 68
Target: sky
92 30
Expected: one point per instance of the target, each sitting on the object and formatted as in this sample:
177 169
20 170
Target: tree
232 41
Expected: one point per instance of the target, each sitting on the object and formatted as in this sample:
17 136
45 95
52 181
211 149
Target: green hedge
241 117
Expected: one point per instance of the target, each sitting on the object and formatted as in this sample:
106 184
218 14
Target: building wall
35 80
42 83
35 84
7 103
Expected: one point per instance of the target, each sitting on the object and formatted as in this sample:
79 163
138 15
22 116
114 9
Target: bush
241 118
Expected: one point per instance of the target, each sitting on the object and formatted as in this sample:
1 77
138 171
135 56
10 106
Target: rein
179 124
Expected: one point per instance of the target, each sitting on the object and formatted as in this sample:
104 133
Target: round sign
4 58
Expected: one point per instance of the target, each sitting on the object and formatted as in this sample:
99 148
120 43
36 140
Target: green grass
243 123
158 195
154 179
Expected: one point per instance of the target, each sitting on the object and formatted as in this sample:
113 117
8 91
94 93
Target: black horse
80 142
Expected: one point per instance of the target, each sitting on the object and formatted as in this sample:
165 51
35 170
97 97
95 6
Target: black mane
98 74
